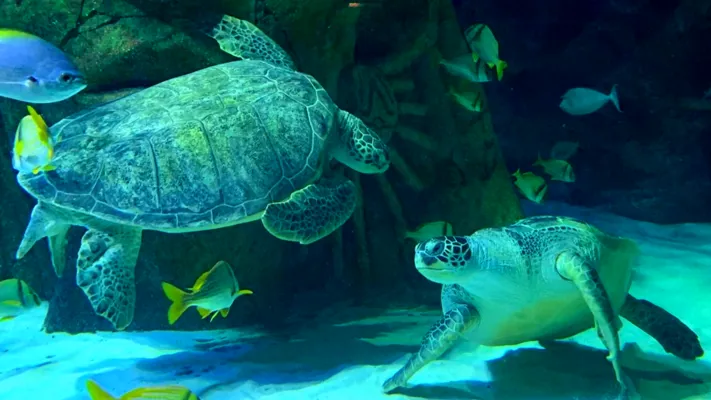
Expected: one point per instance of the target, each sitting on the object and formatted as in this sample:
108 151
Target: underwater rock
447 161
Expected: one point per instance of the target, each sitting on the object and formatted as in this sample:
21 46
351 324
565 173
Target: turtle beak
432 268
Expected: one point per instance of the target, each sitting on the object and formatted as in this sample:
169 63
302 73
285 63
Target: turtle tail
177 297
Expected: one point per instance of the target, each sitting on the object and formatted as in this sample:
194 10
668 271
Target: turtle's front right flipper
440 338
105 271
243 39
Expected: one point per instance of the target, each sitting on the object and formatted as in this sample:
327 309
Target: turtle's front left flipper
440 338
313 212
105 271
573 267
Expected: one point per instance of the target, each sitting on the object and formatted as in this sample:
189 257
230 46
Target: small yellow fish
430 230
16 296
96 392
484 46
532 186
34 147
213 293
559 170
563 150
471 100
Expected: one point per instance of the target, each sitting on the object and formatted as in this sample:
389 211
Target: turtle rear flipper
312 212
243 39
573 267
676 338
46 222
105 272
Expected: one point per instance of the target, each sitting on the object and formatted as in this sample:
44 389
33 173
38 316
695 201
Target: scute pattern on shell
208 148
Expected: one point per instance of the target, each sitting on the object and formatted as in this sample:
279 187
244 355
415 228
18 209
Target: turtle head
444 259
359 147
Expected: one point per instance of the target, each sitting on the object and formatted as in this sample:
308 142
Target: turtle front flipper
573 267
105 272
46 221
440 338
244 40
312 212
676 338
358 147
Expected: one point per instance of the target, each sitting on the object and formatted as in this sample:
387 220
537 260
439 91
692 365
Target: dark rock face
651 162
449 166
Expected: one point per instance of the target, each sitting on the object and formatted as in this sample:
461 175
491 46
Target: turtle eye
436 248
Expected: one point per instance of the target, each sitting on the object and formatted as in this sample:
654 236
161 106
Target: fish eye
32 79
65 77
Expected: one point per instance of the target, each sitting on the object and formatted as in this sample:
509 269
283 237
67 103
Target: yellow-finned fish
472 100
96 392
33 70
213 293
484 46
16 296
564 150
559 170
34 147
532 186
430 230
473 71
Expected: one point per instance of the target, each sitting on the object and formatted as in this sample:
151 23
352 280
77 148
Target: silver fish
33 70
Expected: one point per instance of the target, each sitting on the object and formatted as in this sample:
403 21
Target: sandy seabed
349 357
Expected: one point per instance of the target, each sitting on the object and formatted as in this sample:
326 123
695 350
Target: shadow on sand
569 371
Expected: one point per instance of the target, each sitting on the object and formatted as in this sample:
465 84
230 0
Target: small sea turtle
542 278
228 144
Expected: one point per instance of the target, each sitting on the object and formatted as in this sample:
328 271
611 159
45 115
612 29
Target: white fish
581 101
563 150
465 67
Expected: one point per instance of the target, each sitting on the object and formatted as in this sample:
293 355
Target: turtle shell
207 149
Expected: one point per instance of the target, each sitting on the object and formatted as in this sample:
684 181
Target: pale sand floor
350 360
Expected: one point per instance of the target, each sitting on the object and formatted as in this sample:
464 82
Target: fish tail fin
613 97
500 67
96 392
177 296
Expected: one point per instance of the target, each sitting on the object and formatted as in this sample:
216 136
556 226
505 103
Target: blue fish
33 70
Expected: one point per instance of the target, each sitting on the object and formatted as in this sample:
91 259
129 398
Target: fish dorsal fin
219 272
38 120
200 281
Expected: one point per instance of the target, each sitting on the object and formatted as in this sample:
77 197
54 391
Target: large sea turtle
228 144
542 278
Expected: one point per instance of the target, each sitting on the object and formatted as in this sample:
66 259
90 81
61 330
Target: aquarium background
644 173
